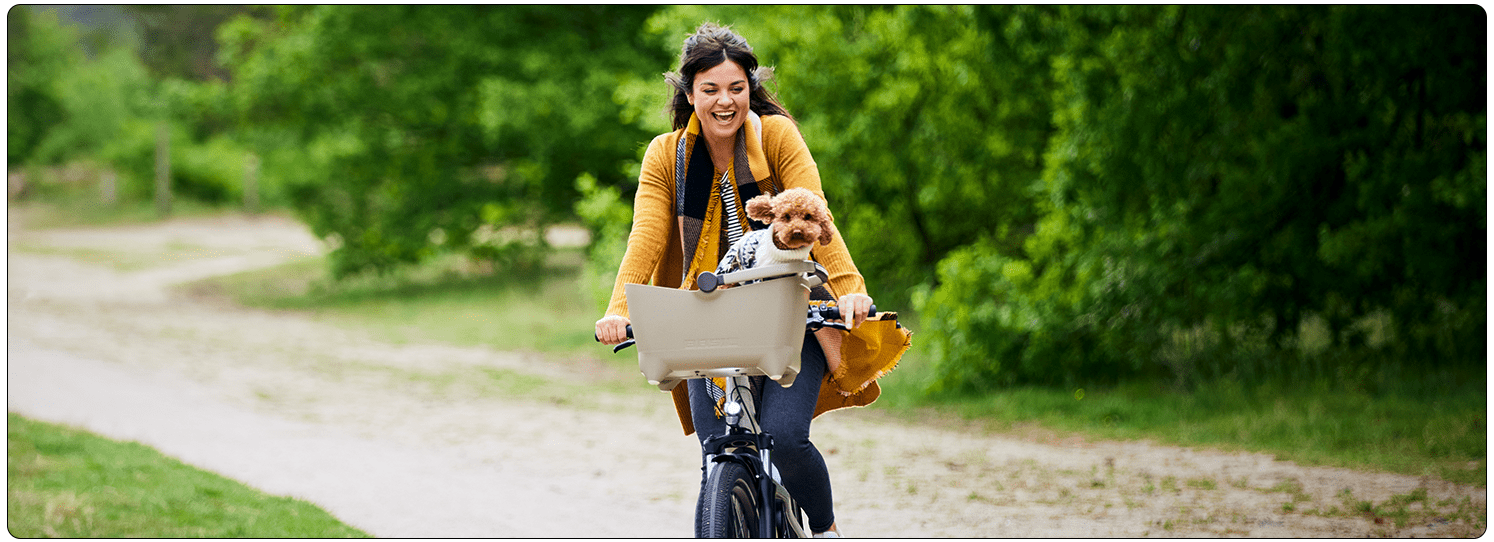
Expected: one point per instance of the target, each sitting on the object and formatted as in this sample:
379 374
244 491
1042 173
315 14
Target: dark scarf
699 205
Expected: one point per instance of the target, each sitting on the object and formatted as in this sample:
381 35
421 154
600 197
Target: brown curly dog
797 216
798 220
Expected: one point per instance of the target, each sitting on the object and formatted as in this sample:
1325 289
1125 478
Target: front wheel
728 504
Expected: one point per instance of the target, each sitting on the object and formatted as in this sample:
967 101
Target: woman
731 135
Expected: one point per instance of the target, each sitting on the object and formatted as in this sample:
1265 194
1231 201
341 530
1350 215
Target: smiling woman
711 47
688 210
720 99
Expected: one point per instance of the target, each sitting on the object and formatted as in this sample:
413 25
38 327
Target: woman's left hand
856 306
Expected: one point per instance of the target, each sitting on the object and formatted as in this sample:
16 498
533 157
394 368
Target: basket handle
708 281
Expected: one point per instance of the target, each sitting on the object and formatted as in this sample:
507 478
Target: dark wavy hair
708 47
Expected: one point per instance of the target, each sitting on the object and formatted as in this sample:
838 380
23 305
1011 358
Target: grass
119 260
66 483
450 300
1400 510
1310 423
544 310
73 209
1415 428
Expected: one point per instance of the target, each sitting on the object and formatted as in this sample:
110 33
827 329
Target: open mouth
724 116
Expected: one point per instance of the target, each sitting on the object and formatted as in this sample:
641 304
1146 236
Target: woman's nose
724 100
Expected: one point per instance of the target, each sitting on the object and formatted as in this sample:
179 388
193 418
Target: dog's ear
827 228
760 208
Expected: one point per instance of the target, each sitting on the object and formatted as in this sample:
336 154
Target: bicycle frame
749 329
776 505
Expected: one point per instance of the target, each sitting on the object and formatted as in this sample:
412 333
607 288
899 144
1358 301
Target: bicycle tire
728 503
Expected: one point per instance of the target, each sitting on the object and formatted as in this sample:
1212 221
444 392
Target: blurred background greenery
1285 198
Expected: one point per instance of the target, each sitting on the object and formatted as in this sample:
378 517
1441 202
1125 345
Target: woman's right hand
612 329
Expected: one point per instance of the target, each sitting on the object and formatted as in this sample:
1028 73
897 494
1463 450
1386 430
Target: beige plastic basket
753 329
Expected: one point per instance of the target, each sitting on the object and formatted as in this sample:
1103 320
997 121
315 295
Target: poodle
797 219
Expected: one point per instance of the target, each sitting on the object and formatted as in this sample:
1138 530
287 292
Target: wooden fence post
163 169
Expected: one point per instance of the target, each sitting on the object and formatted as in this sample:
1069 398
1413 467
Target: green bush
210 171
99 99
608 218
1218 176
471 121
39 51
109 109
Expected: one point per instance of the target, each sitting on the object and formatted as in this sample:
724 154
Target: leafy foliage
108 108
1223 173
433 128
39 51
1066 195
178 40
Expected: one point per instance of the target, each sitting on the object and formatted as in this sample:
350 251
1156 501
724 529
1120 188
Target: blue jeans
784 414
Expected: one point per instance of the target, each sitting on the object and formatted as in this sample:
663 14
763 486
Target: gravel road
414 440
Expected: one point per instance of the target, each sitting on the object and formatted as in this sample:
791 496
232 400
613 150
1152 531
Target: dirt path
417 441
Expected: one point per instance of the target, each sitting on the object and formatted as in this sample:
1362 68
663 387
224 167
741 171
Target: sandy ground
410 440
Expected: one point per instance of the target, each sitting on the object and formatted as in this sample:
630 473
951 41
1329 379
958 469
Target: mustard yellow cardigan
655 256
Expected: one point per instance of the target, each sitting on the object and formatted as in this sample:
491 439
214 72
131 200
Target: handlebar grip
594 336
620 346
833 313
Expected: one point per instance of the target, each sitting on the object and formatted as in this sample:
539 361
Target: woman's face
722 99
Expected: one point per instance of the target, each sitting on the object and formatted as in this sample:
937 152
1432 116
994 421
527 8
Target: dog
797 219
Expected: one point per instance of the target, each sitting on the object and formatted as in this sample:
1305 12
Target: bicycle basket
755 329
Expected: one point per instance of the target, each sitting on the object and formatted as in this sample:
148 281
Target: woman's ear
760 208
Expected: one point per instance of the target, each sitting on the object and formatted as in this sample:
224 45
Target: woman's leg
703 413
785 414
703 410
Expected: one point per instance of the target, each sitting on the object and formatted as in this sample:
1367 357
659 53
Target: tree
404 130
39 50
178 40
1226 173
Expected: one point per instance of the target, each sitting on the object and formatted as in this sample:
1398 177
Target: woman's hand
612 329
856 306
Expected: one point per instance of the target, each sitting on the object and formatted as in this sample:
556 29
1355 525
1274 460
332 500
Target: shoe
832 533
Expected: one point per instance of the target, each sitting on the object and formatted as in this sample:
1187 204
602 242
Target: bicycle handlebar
818 317
833 313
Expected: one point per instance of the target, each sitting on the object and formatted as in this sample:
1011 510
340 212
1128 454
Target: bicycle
737 326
